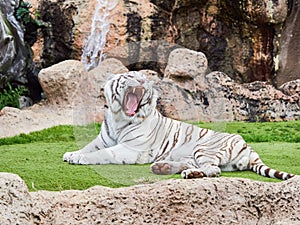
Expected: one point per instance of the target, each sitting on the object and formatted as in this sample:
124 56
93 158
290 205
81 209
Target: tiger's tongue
132 104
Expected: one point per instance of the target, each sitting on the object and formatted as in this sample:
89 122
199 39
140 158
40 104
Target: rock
57 39
175 102
207 201
202 201
216 97
184 65
25 102
65 82
186 68
106 68
61 81
15 204
291 88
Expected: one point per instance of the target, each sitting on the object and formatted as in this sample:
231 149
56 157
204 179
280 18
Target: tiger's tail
257 166
266 171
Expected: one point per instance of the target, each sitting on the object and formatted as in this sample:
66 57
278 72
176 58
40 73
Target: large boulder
184 66
61 81
200 201
60 84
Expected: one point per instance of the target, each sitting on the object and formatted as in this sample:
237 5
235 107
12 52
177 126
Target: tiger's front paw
67 156
192 174
78 159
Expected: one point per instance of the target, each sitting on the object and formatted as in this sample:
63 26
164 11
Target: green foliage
10 96
24 14
37 157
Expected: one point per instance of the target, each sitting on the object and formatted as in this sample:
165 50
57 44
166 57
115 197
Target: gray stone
15 54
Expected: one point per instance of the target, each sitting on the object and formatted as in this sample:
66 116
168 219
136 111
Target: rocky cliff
249 41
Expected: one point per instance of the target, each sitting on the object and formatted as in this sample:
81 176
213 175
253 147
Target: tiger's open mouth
132 99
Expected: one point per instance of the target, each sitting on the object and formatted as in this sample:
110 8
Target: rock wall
287 62
200 201
249 41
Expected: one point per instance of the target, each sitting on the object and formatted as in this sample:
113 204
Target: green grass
260 132
37 157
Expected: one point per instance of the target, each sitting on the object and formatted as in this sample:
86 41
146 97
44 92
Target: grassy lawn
37 157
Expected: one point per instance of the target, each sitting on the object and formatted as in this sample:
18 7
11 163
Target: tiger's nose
141 81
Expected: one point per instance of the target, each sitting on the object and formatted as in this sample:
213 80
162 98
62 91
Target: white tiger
134 132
